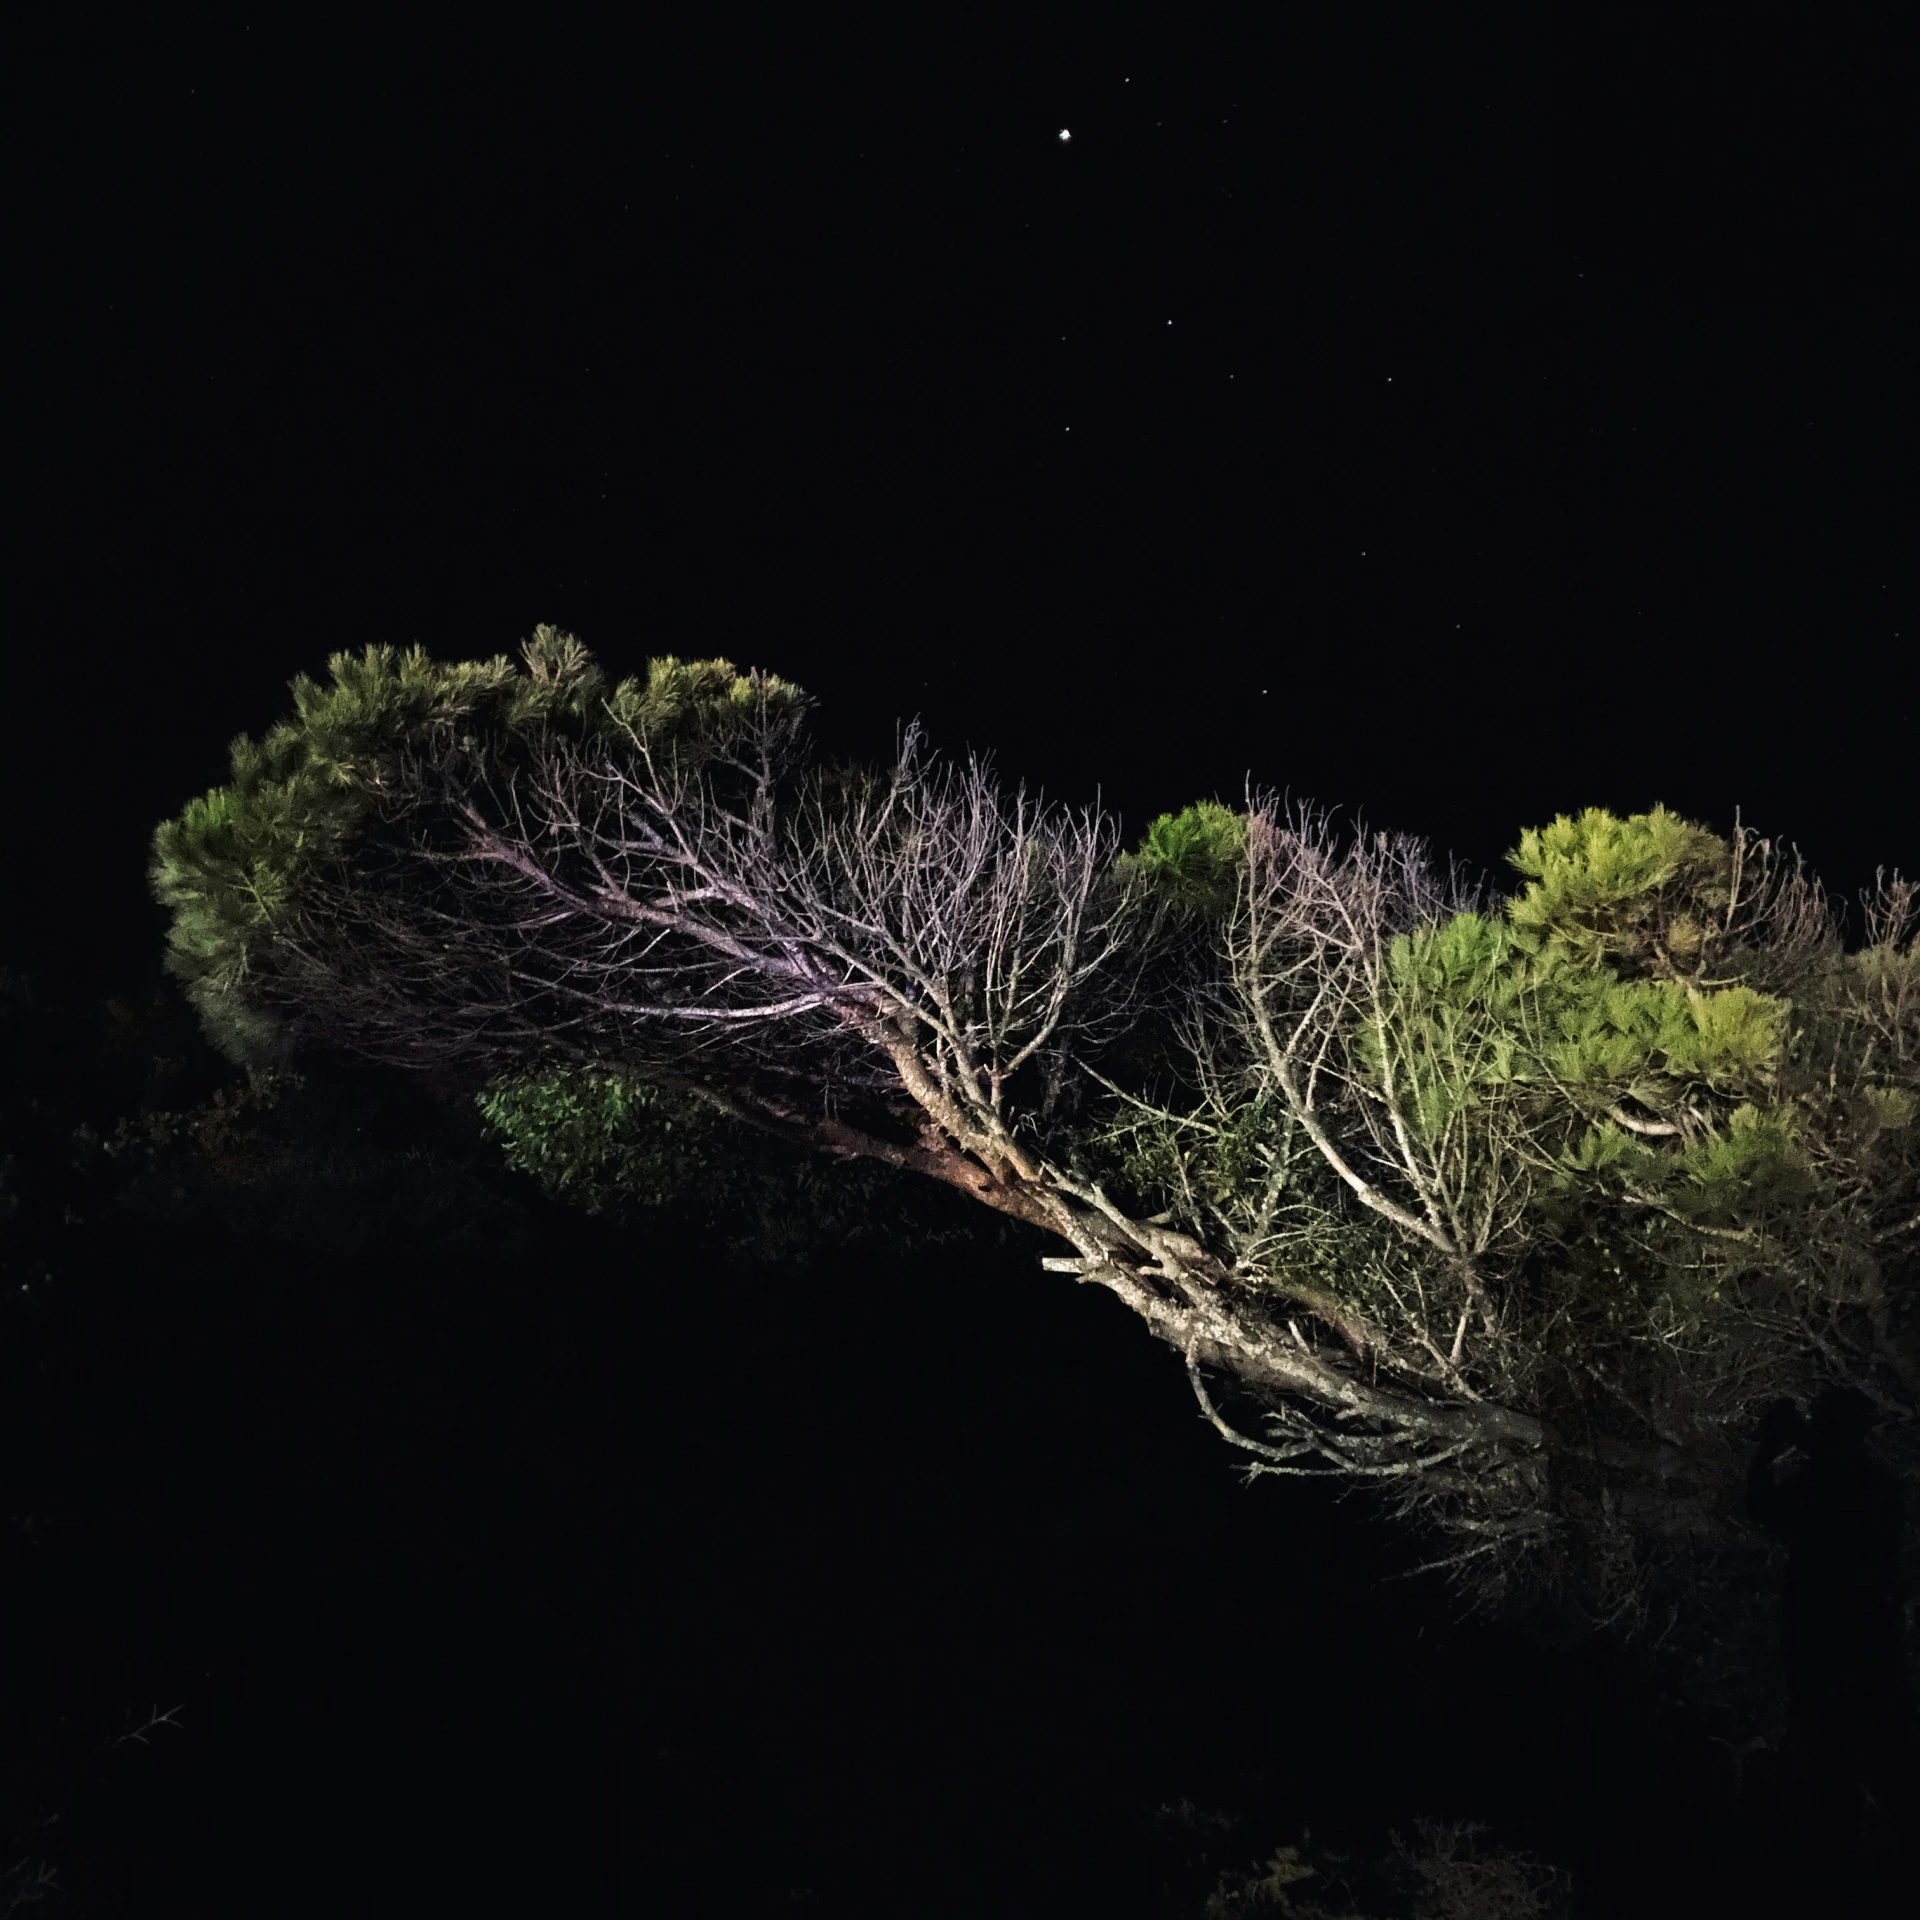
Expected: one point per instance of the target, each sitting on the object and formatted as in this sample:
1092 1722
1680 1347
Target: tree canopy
1513 1207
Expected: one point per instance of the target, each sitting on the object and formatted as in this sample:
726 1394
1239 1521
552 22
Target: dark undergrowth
381 1538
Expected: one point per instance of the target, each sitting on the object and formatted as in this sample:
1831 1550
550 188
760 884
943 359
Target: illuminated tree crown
1514 1209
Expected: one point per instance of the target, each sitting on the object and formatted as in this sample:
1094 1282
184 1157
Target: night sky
1459 415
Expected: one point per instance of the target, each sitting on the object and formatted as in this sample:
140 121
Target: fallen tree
1513 1209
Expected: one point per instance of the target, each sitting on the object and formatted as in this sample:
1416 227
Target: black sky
1449 417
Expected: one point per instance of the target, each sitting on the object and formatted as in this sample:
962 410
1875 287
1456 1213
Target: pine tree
1514 1209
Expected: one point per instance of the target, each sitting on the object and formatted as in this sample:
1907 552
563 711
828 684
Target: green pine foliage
1574 1005
1456 1021
230 866
1193 856
602 1141
1580 994
1593 1025
1605 889
615 1146
1571 992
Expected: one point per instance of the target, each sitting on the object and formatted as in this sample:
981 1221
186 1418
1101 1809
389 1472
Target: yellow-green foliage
609 1142
1195 855
230 865
1656 1039
1753 1154
1579 997
1888 975
1552 999
1749 1155
1455 1025
1602 888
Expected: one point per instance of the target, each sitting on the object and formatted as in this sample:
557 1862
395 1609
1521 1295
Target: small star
1064 134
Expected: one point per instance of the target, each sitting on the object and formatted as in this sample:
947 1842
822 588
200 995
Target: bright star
1065 135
